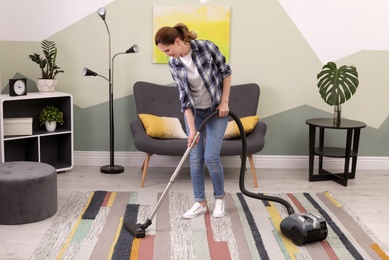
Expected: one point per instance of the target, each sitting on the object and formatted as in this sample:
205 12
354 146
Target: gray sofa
162 100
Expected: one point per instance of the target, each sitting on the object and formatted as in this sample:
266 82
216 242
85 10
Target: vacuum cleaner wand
139 230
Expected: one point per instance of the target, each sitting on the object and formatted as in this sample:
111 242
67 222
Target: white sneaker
196 210
219 210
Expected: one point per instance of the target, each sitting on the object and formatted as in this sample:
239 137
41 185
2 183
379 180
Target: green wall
266 47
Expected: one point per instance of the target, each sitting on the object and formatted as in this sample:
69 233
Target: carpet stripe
119 228
296 203
162 227
237 228
125 240
276 218
135 249
112 197
200 242
201 249
94 205
62 251
329 251
217 249
246 229
379 251
256 235
222 231
133 197
107 199
181 233
82 230
332 199
146 248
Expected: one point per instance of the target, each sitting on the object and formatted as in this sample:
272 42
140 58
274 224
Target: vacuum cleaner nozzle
137 230
304 227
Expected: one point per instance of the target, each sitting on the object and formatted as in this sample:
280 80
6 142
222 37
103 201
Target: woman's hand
223 109
191 137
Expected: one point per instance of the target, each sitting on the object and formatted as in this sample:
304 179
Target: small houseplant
48 66
337 85
50 116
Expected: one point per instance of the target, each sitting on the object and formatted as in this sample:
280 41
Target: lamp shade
101 12
133 49
88 72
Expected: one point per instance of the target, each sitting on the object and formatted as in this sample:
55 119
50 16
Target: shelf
54 148
334 152
37 133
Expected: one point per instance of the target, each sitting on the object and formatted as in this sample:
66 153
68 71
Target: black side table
353 129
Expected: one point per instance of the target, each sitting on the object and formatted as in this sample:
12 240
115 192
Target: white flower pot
50 126
46 85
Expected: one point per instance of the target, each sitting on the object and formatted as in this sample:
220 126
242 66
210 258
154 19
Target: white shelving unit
54 148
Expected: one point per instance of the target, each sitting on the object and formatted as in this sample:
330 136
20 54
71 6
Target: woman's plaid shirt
212 67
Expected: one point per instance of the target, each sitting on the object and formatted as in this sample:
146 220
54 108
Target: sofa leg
145 167
253 170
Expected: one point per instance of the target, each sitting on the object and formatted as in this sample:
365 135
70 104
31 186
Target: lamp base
111 169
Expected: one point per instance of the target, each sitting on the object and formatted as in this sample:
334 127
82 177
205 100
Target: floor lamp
111 168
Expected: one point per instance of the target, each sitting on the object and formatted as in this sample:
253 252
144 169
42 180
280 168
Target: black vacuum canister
304 227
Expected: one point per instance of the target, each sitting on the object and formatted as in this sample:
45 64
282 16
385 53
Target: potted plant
337 85
50 116
48 66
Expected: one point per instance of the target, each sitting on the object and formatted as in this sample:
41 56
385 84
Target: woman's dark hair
167 35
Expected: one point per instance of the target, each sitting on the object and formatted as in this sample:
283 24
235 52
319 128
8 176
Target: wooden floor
367 196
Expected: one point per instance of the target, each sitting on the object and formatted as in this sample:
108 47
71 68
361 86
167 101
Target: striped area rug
89 226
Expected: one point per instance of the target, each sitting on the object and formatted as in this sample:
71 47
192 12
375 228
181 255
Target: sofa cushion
162 127
248 122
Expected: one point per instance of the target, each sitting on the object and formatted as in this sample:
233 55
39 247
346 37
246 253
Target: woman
204 80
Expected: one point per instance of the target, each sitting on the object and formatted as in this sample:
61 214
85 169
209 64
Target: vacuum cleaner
299 227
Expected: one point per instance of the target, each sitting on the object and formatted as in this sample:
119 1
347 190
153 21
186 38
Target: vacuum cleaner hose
243 167
243 163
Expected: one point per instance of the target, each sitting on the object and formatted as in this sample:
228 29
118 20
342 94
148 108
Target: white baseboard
135 159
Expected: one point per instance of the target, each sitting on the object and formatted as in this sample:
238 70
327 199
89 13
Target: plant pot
46 85
50 126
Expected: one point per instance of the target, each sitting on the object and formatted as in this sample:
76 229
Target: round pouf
28 192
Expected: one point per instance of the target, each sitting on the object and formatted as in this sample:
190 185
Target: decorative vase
337 114
51 126
46 85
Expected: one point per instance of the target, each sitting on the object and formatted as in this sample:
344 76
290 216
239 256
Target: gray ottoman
28 192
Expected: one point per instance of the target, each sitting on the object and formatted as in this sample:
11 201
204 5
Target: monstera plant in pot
48 65
337 85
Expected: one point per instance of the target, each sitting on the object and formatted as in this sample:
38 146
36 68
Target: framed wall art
209 22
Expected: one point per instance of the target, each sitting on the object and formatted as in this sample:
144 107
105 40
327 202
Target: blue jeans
207 151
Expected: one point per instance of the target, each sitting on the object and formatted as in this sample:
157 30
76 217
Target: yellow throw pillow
162 127
248 123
